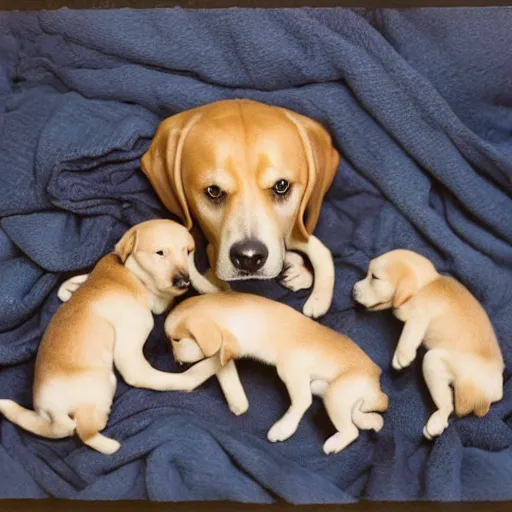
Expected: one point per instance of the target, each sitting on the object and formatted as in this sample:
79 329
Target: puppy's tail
471 398
365 411
89 422
32 422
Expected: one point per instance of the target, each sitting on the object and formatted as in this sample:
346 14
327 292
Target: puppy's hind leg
349 400
90 420
439 377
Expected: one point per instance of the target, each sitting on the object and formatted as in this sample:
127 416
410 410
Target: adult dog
253 177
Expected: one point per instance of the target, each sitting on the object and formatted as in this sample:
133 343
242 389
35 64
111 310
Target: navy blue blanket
420 105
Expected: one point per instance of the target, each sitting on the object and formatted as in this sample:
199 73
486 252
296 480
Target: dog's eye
176 340
373 276
160 253
215 193
281 187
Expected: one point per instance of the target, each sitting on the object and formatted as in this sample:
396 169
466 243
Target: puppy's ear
207 335
162 162
211 339
322 161
126 245
407 286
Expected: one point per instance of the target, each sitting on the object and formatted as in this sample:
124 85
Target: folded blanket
419 104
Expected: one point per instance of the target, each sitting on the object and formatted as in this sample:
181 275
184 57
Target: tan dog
106 323
254 177
309 358
439 312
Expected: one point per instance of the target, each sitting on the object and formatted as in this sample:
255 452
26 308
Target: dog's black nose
181 281
249 255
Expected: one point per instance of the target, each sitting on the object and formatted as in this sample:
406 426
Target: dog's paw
436 425
239 407
281 430
317 305
403 358
296 276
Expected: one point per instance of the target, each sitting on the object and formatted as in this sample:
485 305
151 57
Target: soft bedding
419 103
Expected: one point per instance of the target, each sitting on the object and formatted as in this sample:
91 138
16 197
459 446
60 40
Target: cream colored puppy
439 312
105 324
310 359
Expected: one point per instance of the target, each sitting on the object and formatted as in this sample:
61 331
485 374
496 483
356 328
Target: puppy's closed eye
373 276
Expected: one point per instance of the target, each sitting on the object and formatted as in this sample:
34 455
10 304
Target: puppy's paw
239 406
281 430
296 276
317 305
70 286
339 441
436 425
403 358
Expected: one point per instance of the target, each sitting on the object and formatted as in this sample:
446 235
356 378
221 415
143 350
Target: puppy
253 177
106 323
439 312
309 358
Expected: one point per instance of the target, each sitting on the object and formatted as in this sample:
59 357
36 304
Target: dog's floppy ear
322 161
407 286
211 339
126 245
162 162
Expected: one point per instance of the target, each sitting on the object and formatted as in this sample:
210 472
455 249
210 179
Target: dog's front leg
295 276
412 335
320 299
232 388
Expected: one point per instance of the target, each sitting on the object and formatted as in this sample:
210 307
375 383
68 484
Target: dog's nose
249 255
181 281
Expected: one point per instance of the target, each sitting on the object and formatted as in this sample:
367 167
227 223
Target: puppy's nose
249 255
181 281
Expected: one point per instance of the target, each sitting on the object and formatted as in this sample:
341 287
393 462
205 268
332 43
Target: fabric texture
419 103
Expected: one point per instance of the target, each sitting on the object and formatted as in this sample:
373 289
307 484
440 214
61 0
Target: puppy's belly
64 394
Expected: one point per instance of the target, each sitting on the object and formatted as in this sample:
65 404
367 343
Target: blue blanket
419 104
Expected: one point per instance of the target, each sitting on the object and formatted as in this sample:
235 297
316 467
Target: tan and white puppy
439 312
105 324
309 358
253 177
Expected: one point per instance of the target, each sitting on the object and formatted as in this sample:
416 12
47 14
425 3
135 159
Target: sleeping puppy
253 177
439 312
309 358
105 324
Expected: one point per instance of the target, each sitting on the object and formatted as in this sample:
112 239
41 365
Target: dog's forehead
212 141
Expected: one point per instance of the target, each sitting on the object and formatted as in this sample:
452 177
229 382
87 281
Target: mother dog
253 176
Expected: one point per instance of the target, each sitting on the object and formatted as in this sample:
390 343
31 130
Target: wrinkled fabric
419 103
